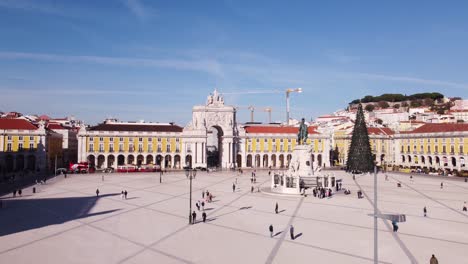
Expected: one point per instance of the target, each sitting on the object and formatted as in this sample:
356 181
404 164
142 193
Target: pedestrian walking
97 192
251 189
441 185
204 217
203 195
122 195
291 232
197 204
395 226
271 230
203 205
125 194
194 217
433 260
425 211
276 208
233 187
20 192
464 207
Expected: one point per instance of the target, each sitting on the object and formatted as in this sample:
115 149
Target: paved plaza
64 222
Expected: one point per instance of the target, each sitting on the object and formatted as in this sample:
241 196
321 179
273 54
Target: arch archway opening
214 146
121 160
110 161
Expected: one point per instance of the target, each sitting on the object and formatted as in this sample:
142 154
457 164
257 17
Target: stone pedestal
300 166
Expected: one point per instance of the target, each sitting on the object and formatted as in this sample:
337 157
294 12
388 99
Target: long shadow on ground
18 215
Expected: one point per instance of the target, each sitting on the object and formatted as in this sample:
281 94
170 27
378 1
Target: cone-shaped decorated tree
359 153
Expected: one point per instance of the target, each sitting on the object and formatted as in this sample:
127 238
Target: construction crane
268 109
252 109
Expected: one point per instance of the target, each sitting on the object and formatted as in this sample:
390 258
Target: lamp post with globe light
191 174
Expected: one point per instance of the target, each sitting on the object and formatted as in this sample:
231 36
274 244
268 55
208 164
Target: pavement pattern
65 222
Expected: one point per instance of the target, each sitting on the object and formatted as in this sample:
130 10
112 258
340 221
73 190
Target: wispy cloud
36 6
342 58
209 66
253 91
138 9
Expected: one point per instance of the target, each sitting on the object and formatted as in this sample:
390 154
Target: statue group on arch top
215 99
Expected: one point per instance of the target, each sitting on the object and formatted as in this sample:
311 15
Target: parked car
109 170
61 171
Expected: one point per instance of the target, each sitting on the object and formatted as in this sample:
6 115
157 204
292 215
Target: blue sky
154 60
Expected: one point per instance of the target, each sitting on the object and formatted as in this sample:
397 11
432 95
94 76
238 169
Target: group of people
321 192
20 192
123 194
209 196
200 205
194 217
291 228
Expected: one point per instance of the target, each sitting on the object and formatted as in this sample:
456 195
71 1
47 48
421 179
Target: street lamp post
288 91
191 174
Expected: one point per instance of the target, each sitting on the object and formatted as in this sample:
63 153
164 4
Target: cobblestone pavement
65 222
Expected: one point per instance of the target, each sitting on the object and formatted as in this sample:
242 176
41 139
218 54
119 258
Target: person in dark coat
14 193
395 226
276 208
233 187
20 192
291 232
204 217
97 192
125 194
464 207
433 260
425 211
194 217
251 189
271 230
203 205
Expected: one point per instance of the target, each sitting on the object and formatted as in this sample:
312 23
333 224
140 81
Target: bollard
34 189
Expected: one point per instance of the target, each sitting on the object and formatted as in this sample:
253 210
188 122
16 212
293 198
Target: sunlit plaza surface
64 222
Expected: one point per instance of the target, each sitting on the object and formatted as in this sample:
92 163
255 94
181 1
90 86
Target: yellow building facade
111 144
27 147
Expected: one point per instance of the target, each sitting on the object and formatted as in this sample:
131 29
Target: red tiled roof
379 131
136 127
12 123
277 130
44 117
55 126
438 128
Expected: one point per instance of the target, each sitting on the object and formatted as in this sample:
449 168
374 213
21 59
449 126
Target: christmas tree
359 153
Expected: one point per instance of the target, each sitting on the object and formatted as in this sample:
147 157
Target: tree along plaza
65 222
